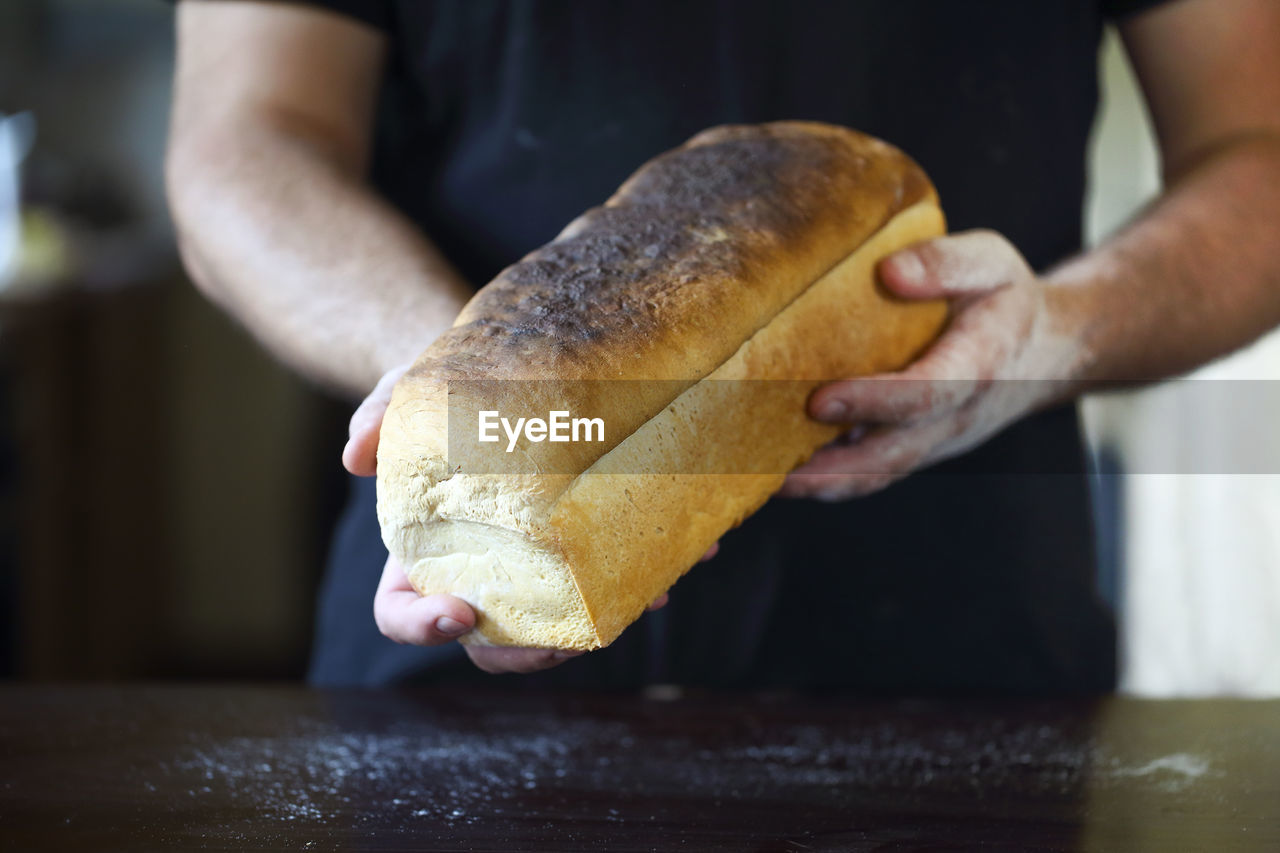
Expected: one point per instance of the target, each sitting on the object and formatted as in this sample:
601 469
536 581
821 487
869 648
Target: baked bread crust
746 254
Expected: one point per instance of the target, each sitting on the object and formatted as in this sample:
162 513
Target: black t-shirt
501 121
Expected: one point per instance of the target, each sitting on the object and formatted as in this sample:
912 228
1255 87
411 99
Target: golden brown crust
634 522
688 271
694 234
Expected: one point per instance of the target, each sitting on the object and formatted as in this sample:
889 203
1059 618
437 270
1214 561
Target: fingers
944 378
957 265
711 552
841 471
360 456
412 619
407 617
977 346
498 660
888 398
981 336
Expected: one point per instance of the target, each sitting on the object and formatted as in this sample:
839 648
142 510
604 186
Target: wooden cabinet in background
171 494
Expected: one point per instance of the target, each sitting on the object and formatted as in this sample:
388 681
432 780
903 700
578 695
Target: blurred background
167 491
167 488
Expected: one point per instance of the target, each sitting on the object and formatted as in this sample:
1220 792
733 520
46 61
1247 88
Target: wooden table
130 768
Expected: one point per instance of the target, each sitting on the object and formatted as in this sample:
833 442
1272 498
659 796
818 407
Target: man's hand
1190 279
432 620
400 612
998 359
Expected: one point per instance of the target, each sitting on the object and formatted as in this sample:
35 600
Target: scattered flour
441 773
453 770
1180 762
1174 772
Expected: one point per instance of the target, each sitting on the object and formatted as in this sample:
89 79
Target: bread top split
697 251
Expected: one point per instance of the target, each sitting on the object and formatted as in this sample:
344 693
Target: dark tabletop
126 768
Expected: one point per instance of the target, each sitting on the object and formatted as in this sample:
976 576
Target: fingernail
908 268
565 655
833 410
449 626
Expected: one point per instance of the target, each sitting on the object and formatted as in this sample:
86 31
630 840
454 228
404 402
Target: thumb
964 264
360 456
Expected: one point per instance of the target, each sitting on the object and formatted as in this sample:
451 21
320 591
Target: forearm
1196 276
284 235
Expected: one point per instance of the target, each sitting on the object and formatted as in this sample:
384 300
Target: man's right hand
401 613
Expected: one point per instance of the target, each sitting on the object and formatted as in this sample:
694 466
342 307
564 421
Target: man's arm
270 134
272 111
273 104
1191 279
1197 275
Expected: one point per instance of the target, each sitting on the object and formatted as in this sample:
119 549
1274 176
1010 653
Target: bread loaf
693 314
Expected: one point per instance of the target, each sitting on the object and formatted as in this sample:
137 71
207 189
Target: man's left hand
998 359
